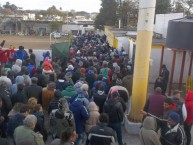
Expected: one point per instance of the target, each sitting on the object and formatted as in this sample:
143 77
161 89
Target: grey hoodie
148 134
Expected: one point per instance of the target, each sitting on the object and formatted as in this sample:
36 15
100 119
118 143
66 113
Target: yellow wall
110 36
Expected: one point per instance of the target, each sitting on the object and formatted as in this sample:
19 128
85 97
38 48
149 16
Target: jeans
187 129
117 128
79 139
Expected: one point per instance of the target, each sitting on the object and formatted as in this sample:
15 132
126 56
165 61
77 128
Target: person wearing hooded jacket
61 118
17 66
81 115
189 120
148 134
172 132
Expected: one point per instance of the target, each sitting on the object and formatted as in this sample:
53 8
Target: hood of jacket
19 80
69 89
18 62
189 96
92 107
149 123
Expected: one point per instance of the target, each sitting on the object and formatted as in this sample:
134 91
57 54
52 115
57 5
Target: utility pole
142 58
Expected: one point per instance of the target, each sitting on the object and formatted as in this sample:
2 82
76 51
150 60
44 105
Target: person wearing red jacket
10 55
47 66
3 56
189 120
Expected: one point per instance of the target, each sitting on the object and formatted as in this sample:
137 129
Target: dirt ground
33 42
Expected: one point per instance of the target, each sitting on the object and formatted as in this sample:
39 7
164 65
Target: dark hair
169 101
100 77
27 72
30 50
25 108
100 87
39 70
104 118
65 135
20 87
37 107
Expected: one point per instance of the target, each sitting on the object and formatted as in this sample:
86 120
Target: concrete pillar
142 57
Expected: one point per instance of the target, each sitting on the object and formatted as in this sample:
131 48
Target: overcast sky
67 5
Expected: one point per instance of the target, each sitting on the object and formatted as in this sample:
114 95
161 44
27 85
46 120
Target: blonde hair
32 101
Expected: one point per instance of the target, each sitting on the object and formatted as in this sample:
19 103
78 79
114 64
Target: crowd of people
80 99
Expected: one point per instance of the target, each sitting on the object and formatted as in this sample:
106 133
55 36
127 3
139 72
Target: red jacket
10 54
48 66
3 56
189 107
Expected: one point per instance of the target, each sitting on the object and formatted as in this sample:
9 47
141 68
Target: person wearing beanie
172 132
48 95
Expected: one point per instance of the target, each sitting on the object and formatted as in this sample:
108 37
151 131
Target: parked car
57 35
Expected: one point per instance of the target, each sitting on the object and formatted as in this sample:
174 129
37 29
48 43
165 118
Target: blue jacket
80 114
20 54
30 69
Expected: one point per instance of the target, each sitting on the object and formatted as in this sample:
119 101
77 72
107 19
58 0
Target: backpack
59 121
105 73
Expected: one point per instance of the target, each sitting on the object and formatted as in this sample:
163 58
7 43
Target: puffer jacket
115 110
80 115
148 134
93 116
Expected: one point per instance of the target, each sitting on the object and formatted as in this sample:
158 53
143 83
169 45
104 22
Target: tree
107 14
129 12
10 6
185 6
163 7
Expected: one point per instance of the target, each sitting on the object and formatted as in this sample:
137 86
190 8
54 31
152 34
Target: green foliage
55 25
50 14
107 15
163 7
10 6
129 12
184 6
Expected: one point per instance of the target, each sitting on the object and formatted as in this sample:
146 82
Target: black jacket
101 135
41 80
34 91
170 135
5 96
115 110
19 97
99 100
